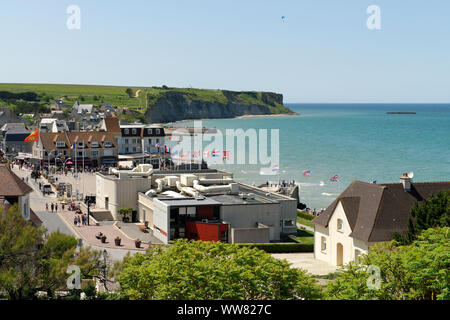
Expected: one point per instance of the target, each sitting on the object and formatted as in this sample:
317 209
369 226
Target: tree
430 213
212 270
19 242
129 91
30 263
419 271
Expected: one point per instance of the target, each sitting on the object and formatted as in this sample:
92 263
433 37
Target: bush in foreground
212 270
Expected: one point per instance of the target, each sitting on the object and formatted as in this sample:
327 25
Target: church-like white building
365 214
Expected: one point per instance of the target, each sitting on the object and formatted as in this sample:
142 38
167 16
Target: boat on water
401 112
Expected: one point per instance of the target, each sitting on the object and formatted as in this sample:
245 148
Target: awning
109 160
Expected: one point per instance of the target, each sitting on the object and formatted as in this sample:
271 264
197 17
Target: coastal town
116 187
224 159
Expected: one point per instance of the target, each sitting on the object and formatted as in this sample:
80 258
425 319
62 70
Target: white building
365 214
202 204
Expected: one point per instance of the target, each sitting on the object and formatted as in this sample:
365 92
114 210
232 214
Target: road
53 222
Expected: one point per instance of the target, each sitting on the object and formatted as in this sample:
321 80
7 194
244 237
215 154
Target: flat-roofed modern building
205 204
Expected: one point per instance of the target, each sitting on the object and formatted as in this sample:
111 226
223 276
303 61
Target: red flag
33 137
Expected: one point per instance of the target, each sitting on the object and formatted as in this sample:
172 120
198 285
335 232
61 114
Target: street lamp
105 254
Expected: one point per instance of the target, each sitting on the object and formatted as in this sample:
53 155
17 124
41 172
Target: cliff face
175 105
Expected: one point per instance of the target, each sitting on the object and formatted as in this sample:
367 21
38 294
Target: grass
305 218
304 237
305 222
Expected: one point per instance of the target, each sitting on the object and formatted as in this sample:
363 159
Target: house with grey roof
365 214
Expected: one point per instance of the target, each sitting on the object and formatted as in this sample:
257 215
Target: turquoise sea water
354 141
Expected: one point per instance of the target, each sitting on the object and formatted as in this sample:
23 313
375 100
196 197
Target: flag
216 153
334 178
72 147
307 173
275 168
226 155
205 154
33 137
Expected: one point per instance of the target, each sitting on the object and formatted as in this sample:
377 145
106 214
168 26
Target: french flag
307 173
275 168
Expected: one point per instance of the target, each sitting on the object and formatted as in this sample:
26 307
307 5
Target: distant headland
153 104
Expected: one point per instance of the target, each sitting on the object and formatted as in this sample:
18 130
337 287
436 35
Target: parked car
47 189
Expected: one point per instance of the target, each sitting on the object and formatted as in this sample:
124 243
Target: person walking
56 207
75 220
78 221
46 206
82 220
62 205
52 206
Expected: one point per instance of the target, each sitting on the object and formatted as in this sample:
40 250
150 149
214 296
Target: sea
350 141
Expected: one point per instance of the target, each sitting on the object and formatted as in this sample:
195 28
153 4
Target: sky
322 51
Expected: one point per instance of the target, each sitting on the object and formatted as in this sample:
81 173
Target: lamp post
105 254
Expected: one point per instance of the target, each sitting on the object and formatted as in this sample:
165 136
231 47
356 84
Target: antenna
411 175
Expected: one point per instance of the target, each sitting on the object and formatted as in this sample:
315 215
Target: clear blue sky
322 52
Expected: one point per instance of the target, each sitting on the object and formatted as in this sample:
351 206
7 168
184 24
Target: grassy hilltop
138 100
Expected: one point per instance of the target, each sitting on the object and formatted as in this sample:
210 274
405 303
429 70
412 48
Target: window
149 131
323 244
80 144
158 131
126 131
339 225
288 223
133 131
224 236
126 141
107 144
94 154
80 153
157 140
150 141
126 149
134 149
60 144
94 144
133 141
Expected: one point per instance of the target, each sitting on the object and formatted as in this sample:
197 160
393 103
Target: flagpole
84 148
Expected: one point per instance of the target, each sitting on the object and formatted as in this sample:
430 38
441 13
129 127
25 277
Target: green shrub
305 215
280 247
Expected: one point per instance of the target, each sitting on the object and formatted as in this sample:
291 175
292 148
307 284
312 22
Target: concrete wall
145 210
161 221
248 216
122 193
334 237
250 235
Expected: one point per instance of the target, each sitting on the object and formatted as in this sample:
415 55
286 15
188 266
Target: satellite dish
411 175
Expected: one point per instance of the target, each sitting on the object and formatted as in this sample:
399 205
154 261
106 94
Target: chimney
405 180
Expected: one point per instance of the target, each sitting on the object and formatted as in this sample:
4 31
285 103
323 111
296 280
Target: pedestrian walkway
133 231
89 233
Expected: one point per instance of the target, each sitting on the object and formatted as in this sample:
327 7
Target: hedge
305 215
289 247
